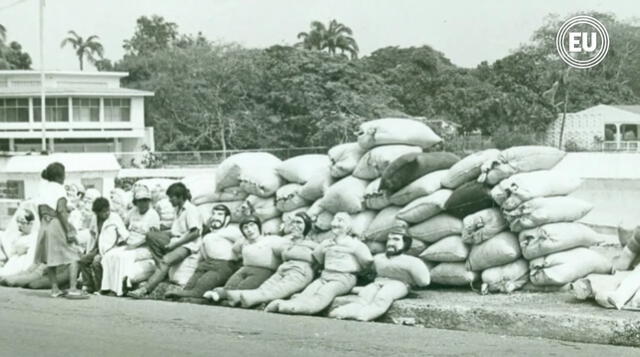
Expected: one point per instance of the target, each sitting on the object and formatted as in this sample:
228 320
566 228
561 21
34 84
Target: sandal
58 294
77 295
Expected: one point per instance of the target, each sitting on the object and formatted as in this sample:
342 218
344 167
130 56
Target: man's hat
399 227
141 192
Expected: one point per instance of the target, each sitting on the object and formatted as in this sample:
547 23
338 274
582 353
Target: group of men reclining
290 274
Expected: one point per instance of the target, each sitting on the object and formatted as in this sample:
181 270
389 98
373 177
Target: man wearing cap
217 261
341 257
170 248
396 274
124 265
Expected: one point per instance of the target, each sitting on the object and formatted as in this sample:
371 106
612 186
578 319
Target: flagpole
42 96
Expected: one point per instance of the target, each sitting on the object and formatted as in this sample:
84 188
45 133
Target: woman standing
56 244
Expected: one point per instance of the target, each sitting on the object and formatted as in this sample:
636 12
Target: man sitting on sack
171 247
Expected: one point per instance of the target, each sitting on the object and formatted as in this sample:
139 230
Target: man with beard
341 257
217 260
396 273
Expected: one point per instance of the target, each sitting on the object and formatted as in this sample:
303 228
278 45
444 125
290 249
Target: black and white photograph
318 178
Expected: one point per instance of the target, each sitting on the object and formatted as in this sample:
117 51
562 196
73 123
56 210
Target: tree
90 48
12 56
15 57
3 34
151 35
335 37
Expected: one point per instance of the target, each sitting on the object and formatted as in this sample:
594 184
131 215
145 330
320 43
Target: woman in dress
57 244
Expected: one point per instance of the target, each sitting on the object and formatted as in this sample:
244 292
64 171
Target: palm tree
314 39
335 37
3 34
89 47
339 37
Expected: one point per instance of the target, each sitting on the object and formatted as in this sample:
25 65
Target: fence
169 159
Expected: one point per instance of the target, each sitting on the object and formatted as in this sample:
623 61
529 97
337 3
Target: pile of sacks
499 217
536 208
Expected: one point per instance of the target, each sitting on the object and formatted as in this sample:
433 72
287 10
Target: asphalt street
33 324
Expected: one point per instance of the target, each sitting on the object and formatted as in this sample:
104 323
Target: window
14 110
86 109
12 189
629 132
610 131
57 109
92 183
117 109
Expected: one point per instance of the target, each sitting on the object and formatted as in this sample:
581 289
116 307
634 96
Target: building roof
607 114
64 73
630 108
68 91
73 162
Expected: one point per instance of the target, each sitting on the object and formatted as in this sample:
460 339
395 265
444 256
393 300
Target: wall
611 182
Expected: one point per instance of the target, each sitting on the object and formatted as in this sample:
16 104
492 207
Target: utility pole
42 96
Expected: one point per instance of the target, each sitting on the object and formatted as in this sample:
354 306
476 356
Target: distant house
85 112
442 127
602 127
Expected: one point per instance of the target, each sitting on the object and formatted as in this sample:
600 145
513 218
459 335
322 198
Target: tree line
212 96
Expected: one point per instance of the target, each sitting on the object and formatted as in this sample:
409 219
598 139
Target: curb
556 316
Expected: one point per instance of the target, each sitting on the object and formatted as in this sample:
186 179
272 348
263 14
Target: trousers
210 273
290 278
373 300
248 278
319 294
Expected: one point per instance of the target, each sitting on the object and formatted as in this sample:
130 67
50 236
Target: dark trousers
210 273
156 242
90 271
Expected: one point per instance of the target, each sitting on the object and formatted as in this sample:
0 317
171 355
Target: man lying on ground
396 274
260 259
217 261
170 248
341 257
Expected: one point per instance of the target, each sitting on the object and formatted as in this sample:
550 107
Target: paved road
32 324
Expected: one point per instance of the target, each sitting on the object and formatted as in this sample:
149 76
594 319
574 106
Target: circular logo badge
582 42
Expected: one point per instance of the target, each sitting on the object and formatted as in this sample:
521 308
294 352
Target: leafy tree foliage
11 55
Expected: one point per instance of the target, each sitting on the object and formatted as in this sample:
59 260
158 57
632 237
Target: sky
466 31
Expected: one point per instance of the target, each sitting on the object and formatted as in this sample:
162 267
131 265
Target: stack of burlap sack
500 217
536 207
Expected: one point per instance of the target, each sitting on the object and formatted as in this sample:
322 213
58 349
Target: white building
85 112
602 127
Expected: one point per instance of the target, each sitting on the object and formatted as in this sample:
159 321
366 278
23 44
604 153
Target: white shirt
50 192
187 218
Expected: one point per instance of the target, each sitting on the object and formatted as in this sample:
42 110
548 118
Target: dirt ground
33 324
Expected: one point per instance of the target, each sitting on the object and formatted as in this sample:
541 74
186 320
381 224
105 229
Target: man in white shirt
171 247
107 231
